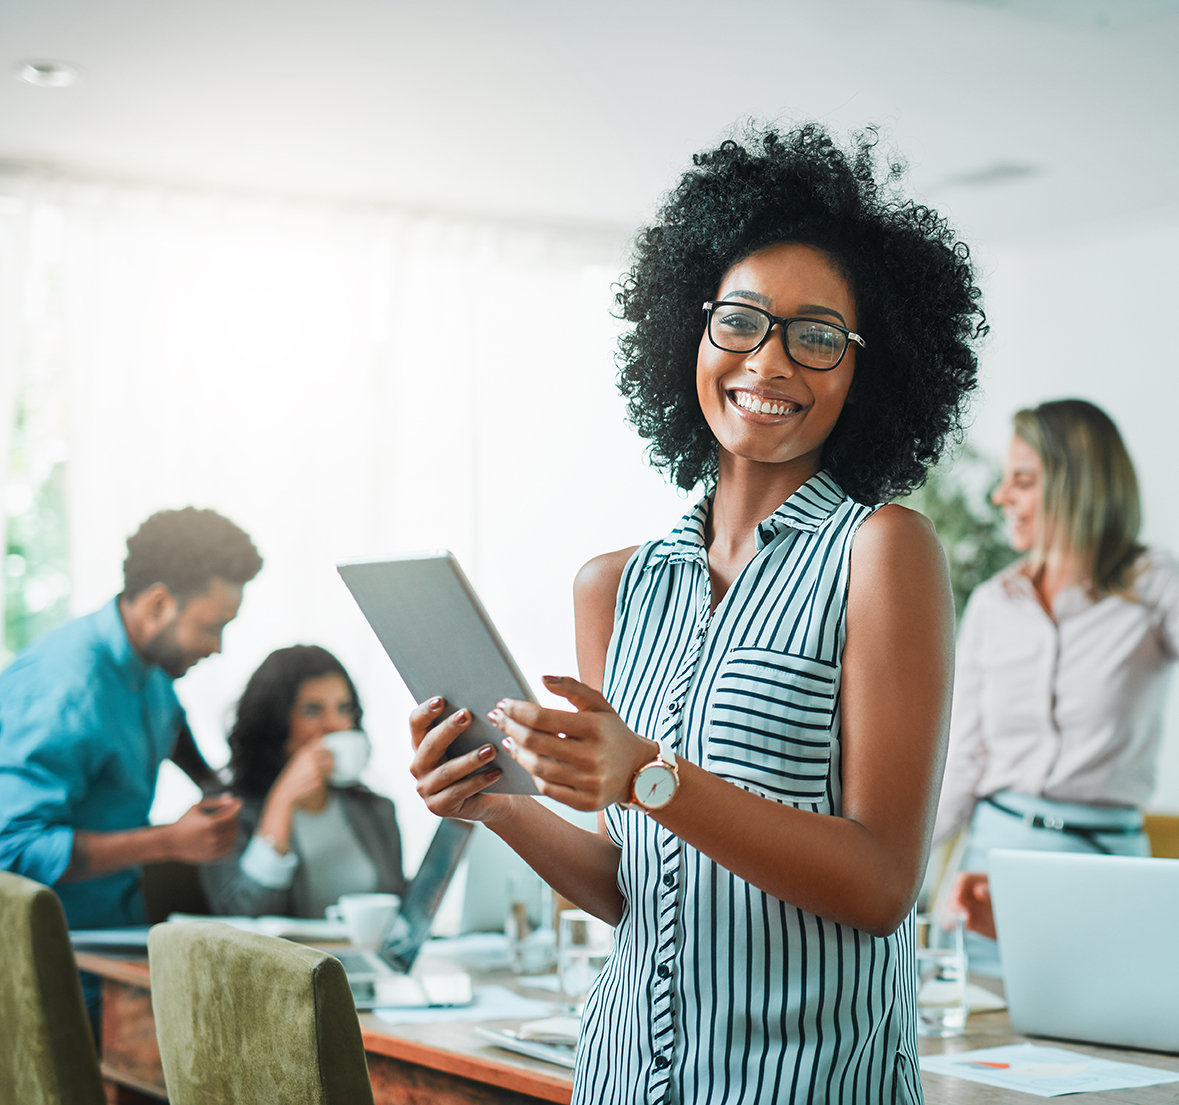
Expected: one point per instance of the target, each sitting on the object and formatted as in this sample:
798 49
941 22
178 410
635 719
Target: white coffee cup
365 916
350 751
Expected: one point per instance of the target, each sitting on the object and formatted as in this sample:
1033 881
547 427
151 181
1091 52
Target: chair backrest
1162 830
244 1018
47 1052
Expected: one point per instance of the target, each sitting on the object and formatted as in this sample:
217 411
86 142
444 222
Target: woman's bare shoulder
599 578
897 543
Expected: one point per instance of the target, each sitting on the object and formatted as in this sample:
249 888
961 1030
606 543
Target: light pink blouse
1071 710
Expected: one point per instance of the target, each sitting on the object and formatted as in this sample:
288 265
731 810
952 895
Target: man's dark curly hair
257 741
917 304
186 550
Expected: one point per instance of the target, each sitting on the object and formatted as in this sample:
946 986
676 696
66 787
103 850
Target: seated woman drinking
302 840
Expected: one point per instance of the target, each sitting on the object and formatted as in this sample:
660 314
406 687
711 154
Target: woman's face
1021 494
323 705
788 280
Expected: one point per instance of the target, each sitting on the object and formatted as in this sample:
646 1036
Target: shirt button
674 708
669 880
661 1061
663 970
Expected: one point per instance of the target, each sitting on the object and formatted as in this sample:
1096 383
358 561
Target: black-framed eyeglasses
810 342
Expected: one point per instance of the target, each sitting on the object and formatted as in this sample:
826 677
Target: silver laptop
382 977
427 616
1090 946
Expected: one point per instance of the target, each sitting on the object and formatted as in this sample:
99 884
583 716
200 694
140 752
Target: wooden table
450 1064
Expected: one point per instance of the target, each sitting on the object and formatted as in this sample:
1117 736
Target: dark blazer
371 817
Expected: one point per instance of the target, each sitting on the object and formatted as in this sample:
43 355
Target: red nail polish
486 752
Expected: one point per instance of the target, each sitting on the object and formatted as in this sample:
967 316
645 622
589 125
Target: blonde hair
1091 506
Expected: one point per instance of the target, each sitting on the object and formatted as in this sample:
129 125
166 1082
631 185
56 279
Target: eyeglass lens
811 344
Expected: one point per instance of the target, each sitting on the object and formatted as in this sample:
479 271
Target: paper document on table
491 1003
1044 1071
130 937
289 928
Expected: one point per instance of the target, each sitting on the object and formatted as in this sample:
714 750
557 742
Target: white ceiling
1019 117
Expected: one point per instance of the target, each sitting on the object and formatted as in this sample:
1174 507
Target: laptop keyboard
355 964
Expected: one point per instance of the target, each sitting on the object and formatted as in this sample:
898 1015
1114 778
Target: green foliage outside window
36 562
956 498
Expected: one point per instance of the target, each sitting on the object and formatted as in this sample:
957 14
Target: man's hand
206 831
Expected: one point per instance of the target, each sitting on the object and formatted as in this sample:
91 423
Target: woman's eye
818 338
743 322
312 710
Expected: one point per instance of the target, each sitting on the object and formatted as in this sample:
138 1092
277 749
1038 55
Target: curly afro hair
916 301
257 741
186 550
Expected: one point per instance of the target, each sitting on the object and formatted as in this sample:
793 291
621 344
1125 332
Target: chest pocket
769 723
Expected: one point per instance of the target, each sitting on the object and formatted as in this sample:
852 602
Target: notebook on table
1090 946
382 977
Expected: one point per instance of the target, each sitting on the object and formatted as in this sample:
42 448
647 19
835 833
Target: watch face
654 786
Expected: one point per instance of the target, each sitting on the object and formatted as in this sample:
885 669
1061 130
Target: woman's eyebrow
815 309
757 297
767 303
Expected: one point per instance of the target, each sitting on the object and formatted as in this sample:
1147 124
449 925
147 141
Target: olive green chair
47 1053
248 1019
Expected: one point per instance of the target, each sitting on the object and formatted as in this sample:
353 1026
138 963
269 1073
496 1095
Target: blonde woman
1063 661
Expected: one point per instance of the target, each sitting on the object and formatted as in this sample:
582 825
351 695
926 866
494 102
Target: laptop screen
408 930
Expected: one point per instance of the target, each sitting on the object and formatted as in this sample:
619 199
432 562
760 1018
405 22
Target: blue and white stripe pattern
716 991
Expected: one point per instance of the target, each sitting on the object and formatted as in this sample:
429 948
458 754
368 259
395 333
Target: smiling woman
1063 662
762 709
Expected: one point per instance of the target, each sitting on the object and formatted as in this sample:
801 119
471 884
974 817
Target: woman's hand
586 759
453 787
303 781
971 895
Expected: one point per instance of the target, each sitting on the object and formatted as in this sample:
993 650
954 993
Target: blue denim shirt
84 725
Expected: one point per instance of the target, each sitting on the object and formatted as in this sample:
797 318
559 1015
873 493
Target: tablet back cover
429 620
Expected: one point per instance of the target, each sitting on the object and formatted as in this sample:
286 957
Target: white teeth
763 406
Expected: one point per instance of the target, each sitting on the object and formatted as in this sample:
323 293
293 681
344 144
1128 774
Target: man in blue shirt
88 713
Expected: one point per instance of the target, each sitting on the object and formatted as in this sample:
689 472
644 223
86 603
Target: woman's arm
862 868
966 755
580 865
232 891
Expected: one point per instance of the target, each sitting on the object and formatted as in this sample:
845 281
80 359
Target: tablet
429 620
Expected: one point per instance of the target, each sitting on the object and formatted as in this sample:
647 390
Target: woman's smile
765 407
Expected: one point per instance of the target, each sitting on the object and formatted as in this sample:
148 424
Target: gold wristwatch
655 784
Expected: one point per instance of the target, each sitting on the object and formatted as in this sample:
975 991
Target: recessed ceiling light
48 74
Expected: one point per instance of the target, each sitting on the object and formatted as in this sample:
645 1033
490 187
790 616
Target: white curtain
340 382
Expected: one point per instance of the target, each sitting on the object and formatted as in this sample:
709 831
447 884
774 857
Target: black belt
1087 833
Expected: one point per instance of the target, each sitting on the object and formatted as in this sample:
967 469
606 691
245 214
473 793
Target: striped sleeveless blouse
716 991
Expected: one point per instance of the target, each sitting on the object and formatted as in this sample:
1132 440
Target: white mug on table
365 916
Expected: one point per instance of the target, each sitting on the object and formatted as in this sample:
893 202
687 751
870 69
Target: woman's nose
771 358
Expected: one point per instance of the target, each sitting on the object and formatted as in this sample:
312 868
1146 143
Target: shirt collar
1073 599
113 634
807 510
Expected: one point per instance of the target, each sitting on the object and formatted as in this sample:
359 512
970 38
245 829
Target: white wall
1092 318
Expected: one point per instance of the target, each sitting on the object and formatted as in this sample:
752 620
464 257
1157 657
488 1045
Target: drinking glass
583 944
941 975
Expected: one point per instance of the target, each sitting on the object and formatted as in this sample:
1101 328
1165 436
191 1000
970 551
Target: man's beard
162 649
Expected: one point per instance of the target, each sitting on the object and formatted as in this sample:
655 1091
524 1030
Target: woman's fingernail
486 752
552 678
435 704
494 774
496 716
462 717
508 743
